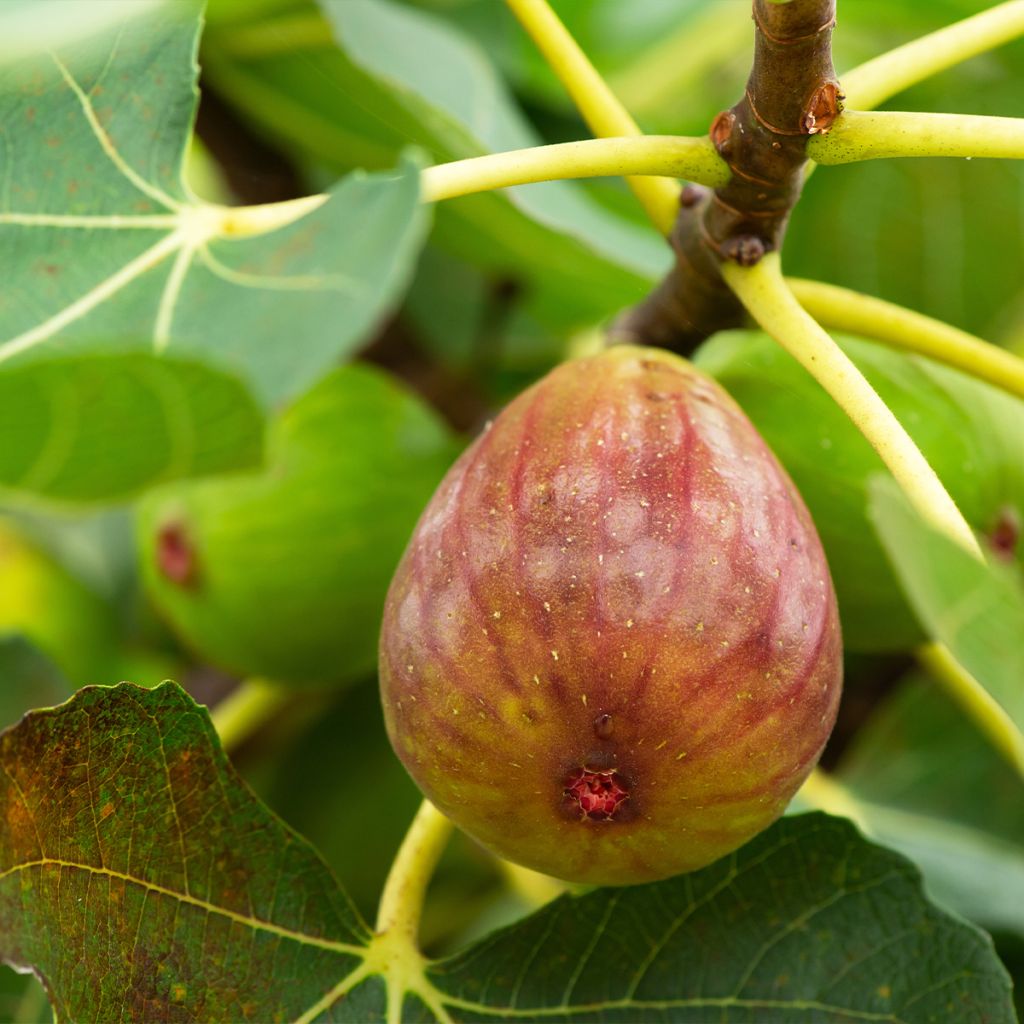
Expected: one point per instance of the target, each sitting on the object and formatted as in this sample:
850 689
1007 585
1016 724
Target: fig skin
615 590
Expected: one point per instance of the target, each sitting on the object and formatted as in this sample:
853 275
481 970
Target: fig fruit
611 651
282 573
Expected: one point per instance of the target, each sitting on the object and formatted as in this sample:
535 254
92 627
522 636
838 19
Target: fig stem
872 135
844 310
532 887
401 903
763 291
876 80
598 105
250 706
989 715
677 155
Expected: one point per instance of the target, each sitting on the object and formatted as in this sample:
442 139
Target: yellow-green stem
254 703
875 81
764 293
595 101
989 715
873 135
679 156
769 301
843 310
401 904
533 888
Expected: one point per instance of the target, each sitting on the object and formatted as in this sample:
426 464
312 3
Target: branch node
824 107
746 250
721 132
692 195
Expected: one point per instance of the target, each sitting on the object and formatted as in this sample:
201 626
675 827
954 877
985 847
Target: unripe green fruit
283 573
611 651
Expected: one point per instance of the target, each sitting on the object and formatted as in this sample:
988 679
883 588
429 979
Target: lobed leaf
808 922
109 248
141 880
914 772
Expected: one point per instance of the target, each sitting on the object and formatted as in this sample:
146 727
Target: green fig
611 651
282 573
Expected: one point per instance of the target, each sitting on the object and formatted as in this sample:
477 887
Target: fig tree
611 651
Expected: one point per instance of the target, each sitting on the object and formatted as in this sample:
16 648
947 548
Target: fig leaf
140 878
111 249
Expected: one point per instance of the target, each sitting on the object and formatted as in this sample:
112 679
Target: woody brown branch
792 94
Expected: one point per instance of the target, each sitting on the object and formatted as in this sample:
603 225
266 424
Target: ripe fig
282 573
611 651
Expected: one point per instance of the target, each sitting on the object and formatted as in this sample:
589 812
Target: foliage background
293 96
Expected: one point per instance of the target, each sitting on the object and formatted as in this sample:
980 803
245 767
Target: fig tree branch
875 81
595 101
841 309
677 156
862 135
792 93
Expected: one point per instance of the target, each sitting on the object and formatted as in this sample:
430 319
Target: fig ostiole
611 651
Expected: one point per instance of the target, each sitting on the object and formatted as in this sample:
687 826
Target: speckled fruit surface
611 651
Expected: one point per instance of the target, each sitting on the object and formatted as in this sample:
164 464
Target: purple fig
611 651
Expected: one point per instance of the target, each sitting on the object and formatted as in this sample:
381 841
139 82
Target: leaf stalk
677 156
598 105
871 135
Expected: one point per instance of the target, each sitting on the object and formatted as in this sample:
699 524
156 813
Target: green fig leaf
915 770
975 609
158 863
352 85
969 431
109 249
808 922
101 428
291 565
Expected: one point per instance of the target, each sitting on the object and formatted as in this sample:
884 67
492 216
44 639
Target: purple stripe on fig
611 651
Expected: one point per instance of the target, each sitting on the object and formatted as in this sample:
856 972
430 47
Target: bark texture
792 94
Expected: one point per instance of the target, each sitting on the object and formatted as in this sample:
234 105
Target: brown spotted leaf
142 880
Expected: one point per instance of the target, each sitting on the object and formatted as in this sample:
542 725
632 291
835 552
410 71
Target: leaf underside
111 250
